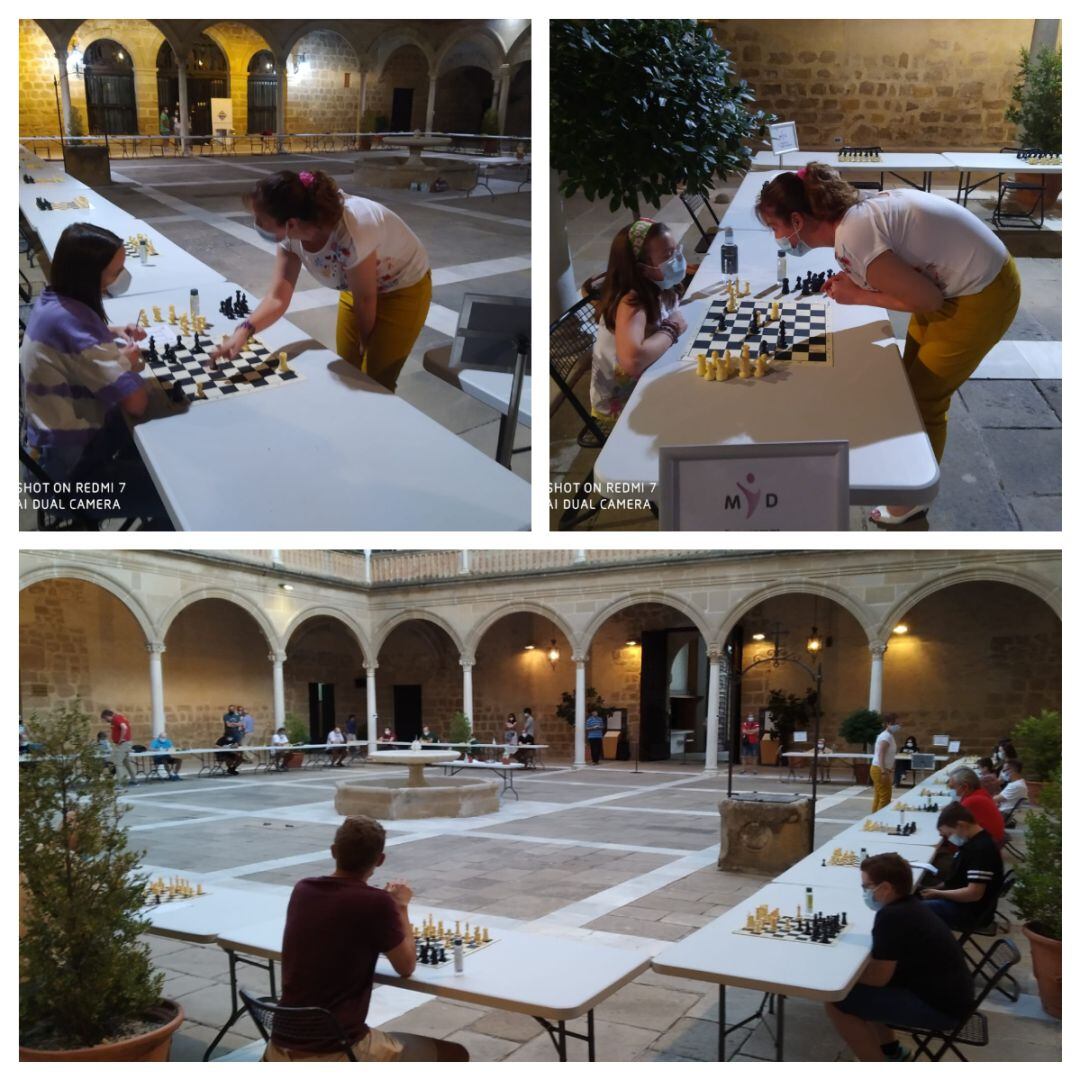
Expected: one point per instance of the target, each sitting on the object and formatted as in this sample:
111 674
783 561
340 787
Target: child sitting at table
79 380
639 317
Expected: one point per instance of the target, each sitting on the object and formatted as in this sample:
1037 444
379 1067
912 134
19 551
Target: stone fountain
415 796
376 169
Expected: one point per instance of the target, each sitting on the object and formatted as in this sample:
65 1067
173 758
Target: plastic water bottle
809 901
729 254
194 303
144 252
459 955
781 265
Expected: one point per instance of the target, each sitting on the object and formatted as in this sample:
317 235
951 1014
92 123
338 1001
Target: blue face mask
868 899
957 840
673 271
265 234
800 247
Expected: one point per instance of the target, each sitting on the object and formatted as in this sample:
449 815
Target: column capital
155 647
878 649
580 658
276 656
716 653
467 662
370 669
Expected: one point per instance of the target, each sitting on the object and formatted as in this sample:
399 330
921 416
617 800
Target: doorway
408 712
320 710
401 110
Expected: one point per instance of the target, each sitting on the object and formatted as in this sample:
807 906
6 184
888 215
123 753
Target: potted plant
1038 742
789 713
460 733
1037 893
861 728
1036 110
88 989
489 126
298 734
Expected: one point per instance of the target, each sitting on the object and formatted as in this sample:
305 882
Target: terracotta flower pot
150 1046
1034 790
1046 964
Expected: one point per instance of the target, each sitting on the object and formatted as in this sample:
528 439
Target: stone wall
406 69
419 654
322 651
463 95
899 83
239 43
318 99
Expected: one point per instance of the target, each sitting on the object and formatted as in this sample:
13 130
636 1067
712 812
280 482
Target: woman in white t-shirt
905 250
351 244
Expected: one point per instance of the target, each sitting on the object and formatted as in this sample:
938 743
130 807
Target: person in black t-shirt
970 890
917 975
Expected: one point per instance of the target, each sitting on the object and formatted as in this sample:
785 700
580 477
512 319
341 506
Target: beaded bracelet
250 326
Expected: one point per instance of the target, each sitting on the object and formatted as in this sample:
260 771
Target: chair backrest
993 967
297 1025
1010 817
697 204
573 335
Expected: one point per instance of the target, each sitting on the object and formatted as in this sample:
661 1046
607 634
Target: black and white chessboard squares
806 327
256 368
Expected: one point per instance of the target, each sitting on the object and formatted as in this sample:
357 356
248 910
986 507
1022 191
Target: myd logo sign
751 497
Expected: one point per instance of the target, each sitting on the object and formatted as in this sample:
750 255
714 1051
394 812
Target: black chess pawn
723 322
179 341
798 283
153 348
48 205
785 288
781 341
28 179
198 344
822 862
829 273
843 918
442 954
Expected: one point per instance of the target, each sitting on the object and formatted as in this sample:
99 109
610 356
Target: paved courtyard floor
607 854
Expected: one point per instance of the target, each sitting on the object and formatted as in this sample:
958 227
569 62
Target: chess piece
702 365
283 369
761 365
157 313
710 371
785 287
172 314
744 366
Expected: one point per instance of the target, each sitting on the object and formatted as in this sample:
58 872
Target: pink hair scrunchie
801 174
307 179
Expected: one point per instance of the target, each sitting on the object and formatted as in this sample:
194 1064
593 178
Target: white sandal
885 518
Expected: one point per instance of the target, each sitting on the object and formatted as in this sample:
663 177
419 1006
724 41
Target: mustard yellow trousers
944 347
399 318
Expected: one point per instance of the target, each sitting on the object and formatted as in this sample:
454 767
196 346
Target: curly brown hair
814 191
358 843
626 278
284 196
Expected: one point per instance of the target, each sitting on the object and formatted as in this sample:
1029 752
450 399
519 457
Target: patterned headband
638 231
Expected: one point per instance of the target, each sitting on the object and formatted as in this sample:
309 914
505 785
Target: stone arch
317 26
103 581
388 627
338 615
670 600
521 48
787 588
241 601
1050 595
514 607
487 44
385 44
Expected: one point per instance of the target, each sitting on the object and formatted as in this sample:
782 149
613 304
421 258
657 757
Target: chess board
788 928
447 944
254 369
809 340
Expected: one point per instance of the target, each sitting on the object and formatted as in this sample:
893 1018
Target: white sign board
798 736
755 487
783 137
941 740
221 114
954 746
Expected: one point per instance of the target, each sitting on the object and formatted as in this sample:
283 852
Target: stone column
65 89
278 660
467 664
372 714
181 67
563 291
579 711
157 687
279 101
712 718
465 566
430 120
363 98
877 673
503 96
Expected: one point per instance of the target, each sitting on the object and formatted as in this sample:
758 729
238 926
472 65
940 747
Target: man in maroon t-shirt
969 790
120 734
335 928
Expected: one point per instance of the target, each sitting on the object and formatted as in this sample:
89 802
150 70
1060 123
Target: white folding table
863 398
889 161
717 953
810 871
996 164
333 450
201 919
551 979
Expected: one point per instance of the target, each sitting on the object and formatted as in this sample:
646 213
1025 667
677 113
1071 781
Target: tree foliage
1037 892
1038 742
1036 100
861 727
640 107
566 709
86 976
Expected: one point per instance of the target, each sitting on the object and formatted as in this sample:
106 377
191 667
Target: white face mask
121 284
266 235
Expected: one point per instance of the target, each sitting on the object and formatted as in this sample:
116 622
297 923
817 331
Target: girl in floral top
351 244
639 320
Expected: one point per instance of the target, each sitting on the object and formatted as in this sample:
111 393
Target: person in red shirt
120 735
334 969
751 731
969 791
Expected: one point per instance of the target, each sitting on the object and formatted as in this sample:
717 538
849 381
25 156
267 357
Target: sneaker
902 1053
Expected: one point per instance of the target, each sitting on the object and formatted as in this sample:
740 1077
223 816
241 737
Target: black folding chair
973 1029
976 954
1008 187
1013 821
700 205
865 185
297 1025
573 335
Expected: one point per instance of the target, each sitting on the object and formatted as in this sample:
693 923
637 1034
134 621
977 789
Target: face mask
266 235
957 839
121 284
955 796
798 248
894 729
1006 776
673 271
868 899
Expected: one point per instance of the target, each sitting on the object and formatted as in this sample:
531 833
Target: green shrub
489 125
1037 892
1036 100
1038 742
87 976
861 728
460 729
566 709
296 729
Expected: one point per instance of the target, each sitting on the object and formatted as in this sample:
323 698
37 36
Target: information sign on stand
784 139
